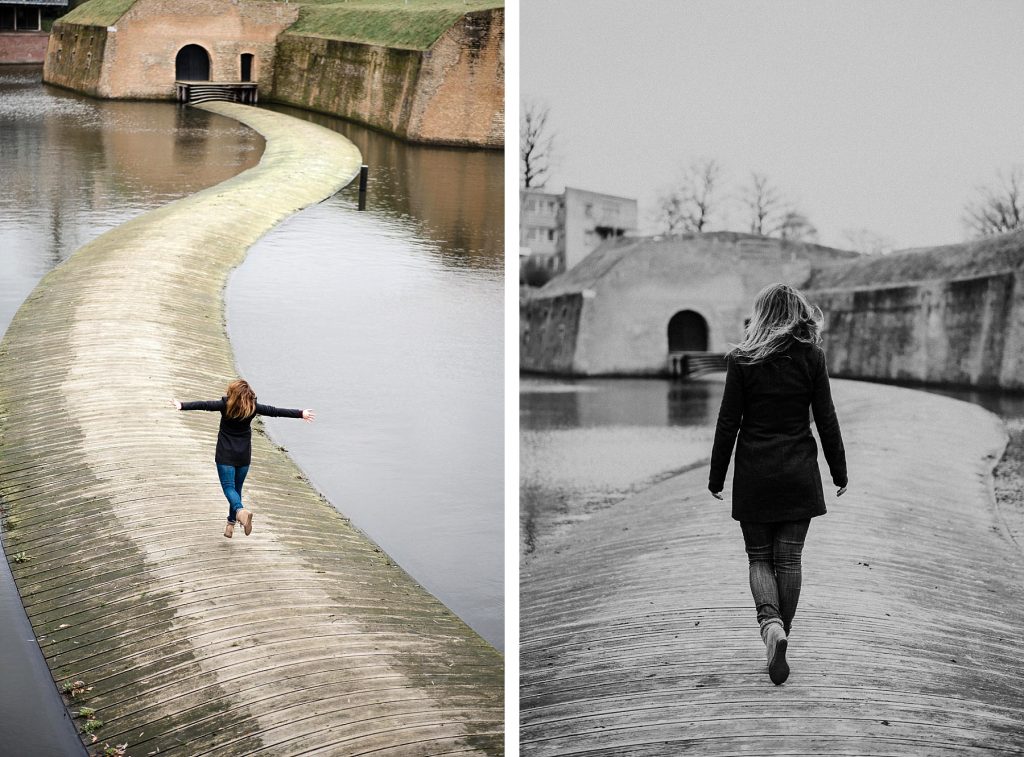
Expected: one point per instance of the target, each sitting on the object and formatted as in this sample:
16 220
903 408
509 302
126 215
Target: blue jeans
231 479
774 550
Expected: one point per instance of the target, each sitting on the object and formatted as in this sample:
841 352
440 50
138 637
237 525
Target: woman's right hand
177 405
308 416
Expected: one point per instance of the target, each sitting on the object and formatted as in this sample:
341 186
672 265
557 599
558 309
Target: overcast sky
879 115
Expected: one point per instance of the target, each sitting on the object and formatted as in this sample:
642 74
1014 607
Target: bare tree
868 242
999 207
764 205
536 143
796 228
690 205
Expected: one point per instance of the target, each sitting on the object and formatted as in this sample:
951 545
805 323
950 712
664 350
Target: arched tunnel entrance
192 64
687 332
688 346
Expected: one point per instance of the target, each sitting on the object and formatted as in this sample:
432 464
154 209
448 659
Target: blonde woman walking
773 376
237 408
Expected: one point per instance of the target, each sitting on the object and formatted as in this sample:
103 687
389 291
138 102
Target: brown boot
244 517
775 642
229 529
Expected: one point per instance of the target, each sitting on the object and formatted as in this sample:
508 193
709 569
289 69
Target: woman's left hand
308 416
717 495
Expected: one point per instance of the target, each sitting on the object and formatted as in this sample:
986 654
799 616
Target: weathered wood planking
639 638
303 638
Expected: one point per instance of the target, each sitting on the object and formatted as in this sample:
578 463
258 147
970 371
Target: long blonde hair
241 399
781 315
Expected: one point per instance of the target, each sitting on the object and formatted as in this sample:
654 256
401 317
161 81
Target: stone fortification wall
628 291
547 333
944 315
452 93
135 58
23 47
460 95
366 83
74 57
947 315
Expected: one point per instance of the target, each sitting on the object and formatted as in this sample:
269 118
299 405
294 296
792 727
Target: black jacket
776 476
234 439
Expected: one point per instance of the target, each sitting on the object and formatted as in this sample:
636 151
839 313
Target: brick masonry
451 94
136 58
23 47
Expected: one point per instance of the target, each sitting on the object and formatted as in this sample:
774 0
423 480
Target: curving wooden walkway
639 638
303 638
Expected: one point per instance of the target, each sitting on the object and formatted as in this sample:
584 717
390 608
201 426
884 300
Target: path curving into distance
303 638
639 636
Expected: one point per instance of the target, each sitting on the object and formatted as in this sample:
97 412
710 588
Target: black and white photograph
771 354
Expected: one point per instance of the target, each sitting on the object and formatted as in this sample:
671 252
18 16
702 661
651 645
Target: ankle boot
244 517
229 529
775 646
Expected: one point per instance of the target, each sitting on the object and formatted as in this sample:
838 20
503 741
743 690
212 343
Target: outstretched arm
213 405
279 412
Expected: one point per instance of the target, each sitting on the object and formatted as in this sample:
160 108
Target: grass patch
98 12
413 25
391 23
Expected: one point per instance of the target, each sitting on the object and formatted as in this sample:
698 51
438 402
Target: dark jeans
774 550
231 479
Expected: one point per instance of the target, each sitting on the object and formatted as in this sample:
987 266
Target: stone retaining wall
965 331
23 47
452 93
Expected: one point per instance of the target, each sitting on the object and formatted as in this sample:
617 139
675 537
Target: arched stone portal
192 64
687 332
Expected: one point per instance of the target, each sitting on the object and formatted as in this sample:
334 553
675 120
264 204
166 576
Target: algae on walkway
302 637
639 637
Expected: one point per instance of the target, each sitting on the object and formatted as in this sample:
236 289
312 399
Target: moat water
587 444
387 322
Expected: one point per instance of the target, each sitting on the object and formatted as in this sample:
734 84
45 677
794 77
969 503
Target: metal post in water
364 172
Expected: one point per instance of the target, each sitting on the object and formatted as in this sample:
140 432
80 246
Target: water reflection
453 197
398 344
587 444
586 403
74 167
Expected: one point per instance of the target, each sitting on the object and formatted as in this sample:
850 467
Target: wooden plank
301 638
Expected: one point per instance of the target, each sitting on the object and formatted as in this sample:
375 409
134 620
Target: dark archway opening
687 332
192 64
246 67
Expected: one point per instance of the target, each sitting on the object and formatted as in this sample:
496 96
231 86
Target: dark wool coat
776 476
